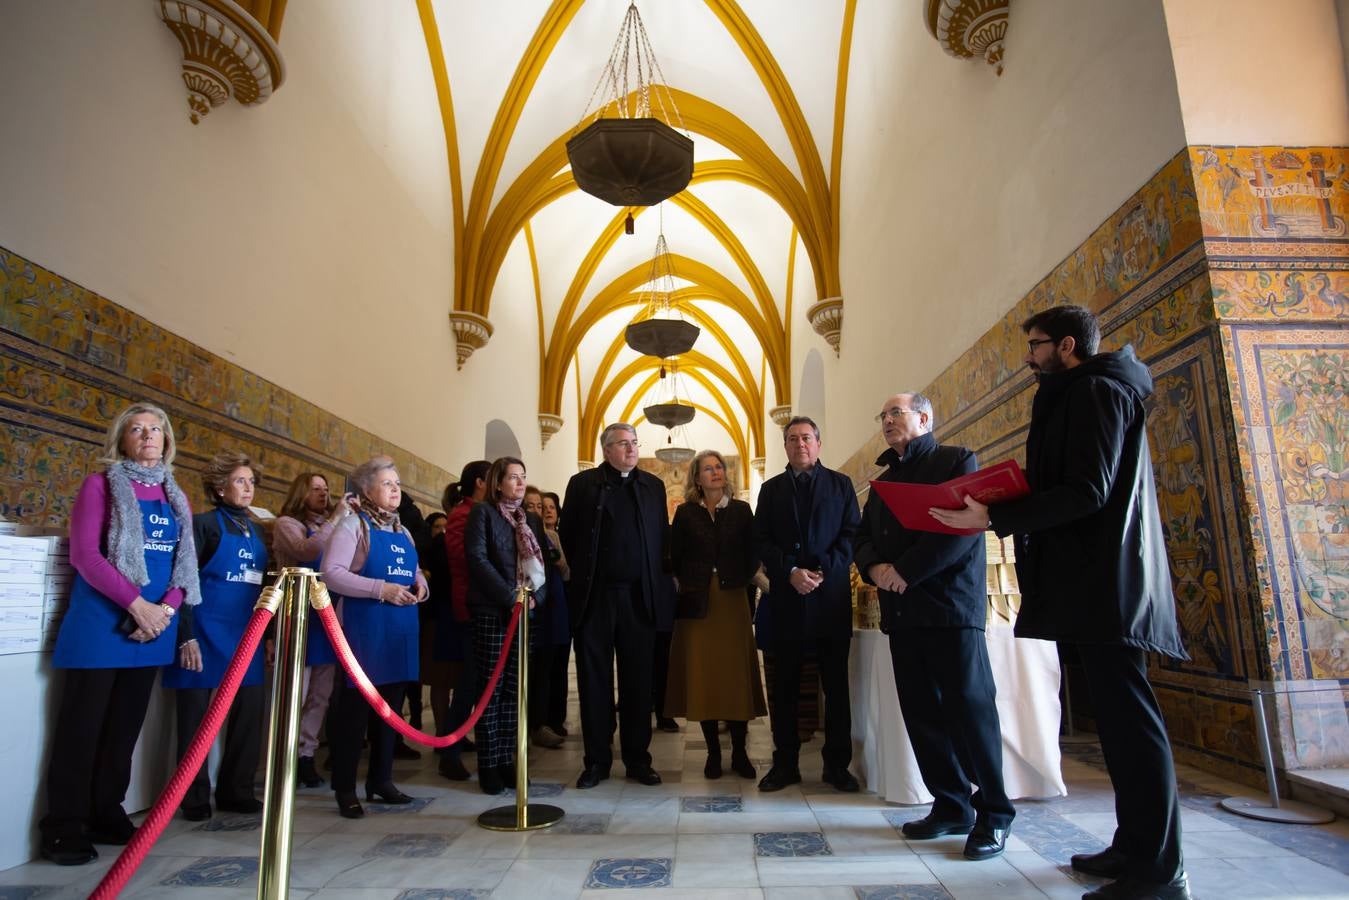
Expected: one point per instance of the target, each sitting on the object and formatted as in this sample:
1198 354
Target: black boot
740 763
309 774
712 769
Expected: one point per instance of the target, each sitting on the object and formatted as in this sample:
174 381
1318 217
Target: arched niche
500 441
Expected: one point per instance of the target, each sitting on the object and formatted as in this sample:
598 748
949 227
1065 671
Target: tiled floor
691 837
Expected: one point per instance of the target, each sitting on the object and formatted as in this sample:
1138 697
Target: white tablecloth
1027 677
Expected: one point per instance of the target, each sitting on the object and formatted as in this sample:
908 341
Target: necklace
242 523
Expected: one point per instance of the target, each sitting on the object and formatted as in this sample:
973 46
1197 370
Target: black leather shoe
741 765
386 793
644 775
466 745
841 779
929 827
403 751
665 723
1134 889
452 767
246 805
490 781
308 773
592 776
197 813
69 851
778 778
1109 863
985 842
348 806
117 833
712 768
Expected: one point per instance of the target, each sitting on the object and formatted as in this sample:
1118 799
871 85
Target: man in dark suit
803 530
615 535
933 606
1091 562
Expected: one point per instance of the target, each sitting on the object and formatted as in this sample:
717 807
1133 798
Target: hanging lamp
676 451
668 411
629 154
659 330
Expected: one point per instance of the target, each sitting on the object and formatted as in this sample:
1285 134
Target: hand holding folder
910 502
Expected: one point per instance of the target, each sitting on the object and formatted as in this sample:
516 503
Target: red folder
910 502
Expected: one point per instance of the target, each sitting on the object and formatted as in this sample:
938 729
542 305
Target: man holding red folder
933 602
1091 562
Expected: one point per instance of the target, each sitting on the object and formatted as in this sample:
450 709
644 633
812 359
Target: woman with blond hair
371 561
714 669
308 519
231 559
135 564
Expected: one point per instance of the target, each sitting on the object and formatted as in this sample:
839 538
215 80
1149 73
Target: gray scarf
126 532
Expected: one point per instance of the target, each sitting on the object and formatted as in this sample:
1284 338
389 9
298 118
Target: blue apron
91 636
384 636
230 584
318 650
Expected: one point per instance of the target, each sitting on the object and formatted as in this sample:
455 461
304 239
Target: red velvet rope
386 712
134 853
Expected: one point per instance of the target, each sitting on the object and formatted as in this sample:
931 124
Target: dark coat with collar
946 574
822 540
489 548
1091 554
699 543
579 529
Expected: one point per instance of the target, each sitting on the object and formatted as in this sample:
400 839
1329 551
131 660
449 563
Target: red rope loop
146 835
386 712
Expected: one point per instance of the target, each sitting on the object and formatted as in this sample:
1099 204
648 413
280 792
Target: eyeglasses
895 412
1035 342
625 445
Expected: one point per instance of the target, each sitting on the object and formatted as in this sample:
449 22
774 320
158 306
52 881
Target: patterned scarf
126 531
528 555
381 517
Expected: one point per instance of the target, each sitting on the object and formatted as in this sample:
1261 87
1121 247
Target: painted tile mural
1229 273
72 359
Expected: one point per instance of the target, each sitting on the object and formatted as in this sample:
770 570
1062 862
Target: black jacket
489 547
946 574
822 541
580 533
698 543
1091 556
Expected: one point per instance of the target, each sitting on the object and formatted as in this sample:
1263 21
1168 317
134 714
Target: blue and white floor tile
701 839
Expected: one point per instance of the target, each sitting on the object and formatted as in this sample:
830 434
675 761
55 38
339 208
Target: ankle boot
740 763
712 769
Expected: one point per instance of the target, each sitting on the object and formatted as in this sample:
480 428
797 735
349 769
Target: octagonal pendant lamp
631 155
659 330
668 411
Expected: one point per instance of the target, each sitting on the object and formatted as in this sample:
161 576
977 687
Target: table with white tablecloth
1026 674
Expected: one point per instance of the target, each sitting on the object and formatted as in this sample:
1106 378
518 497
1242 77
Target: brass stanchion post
278 805
523 816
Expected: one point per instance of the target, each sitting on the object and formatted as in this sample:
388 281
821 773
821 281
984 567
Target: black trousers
350 723
243 744
97 724
660 671
946 693
496 732
540 682
467 690
613 629
832 656
1138 757
558 689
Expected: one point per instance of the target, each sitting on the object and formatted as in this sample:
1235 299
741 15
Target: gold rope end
270 598
319 598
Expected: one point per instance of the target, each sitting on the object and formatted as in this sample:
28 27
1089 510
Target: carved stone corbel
226 51
549 425
826 317
471 332
969 29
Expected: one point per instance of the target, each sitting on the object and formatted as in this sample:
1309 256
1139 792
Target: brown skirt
714 667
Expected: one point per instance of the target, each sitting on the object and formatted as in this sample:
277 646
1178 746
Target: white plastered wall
305 239
961 190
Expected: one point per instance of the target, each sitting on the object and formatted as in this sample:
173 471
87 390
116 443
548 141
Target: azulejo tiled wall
1229 273
72 359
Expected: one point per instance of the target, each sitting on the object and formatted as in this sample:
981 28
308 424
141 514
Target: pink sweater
89 520
345 556
292 546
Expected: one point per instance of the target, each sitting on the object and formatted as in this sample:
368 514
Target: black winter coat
1091 557
823 541
580 533
946 574
489 547
698 543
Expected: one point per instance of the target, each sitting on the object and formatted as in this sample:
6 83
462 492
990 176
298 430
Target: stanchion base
1288 812
507 818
